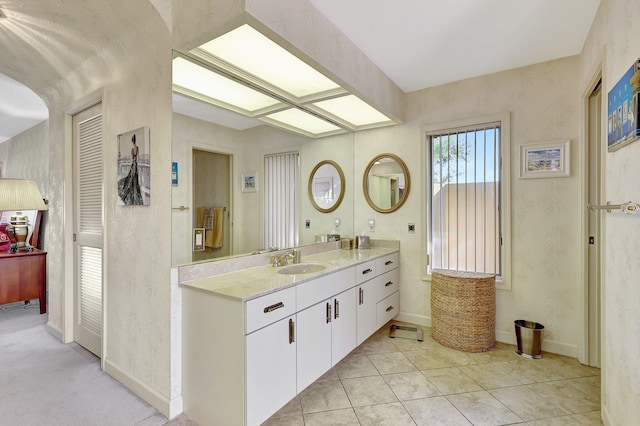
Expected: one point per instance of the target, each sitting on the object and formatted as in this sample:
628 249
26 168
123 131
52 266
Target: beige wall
22 156
543 103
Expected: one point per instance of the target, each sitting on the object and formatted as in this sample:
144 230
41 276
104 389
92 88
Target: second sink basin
300 268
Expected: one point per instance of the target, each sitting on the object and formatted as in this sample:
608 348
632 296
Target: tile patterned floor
405 382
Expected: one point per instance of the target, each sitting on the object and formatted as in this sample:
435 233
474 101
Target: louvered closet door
87 143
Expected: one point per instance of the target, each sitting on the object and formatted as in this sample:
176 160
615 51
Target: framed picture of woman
134 168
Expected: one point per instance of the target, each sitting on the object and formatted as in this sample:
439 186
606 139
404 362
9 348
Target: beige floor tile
344 417
490 376
332 374
368 391
434 412
378 343
285 421
324 396
482 409
585 419
451 380
392 414
391 362
569 394
356 366
438 357
527 404
412 385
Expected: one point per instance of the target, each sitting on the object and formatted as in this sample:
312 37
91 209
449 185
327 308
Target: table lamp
19 195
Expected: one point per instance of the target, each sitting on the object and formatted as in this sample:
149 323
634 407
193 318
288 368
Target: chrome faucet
283 259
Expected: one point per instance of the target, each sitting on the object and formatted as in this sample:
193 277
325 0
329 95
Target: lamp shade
20 194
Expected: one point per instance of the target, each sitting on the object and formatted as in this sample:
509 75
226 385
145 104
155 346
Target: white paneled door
88 233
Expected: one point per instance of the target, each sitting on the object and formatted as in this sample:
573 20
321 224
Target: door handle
388 262
336 309
388 284
366 271
328 312
390 308
361 296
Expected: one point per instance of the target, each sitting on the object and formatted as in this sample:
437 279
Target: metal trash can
529 338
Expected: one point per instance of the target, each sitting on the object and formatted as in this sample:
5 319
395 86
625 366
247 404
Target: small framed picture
174 173
545 159
249 182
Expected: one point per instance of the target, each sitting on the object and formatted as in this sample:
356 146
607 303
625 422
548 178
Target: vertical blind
281 199
464 218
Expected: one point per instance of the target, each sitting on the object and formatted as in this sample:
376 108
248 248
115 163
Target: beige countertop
255 282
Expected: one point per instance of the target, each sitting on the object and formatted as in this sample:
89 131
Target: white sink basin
301 268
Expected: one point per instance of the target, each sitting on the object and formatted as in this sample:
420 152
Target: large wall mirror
386 183
326 186
202 135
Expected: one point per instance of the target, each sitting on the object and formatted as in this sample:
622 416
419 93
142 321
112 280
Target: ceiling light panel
215 88
297 120
256 55
354 111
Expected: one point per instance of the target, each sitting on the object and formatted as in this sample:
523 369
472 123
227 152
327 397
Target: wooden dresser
23 276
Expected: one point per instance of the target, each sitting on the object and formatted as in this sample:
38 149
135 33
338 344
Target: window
468 198
281 199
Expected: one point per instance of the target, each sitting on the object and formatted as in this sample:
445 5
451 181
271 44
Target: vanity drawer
387 284
387 309
313 291
269 308
387 263
365 271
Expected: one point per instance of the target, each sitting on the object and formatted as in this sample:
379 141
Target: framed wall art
249 182
623 125
545 159
134 163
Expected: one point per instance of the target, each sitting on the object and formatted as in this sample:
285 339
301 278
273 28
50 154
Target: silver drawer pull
292 331
388 284
390 308
273 307
388 262
366 271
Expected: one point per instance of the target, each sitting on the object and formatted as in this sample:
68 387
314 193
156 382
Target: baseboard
414 319
52 331
551 346
170 408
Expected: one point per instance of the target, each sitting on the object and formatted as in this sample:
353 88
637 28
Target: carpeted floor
45 382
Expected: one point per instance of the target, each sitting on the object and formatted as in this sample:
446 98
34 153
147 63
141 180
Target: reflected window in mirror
326 186
386 183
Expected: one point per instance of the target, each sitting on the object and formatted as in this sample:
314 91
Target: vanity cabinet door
314 343
343 328
366 302
270 369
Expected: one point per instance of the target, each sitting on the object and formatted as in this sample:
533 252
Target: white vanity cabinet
270 354
251 344
326 330
377 294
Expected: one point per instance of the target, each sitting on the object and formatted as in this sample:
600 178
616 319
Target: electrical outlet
307 224
412 228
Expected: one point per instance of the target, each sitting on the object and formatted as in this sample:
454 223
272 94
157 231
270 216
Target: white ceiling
416 43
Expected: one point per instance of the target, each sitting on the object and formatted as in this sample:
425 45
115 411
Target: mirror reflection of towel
212 220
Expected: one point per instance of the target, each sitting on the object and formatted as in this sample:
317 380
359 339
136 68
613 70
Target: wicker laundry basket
463 310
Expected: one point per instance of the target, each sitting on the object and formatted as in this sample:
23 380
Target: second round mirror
386 183
326 186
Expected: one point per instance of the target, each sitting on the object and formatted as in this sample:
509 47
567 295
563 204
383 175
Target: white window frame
503 281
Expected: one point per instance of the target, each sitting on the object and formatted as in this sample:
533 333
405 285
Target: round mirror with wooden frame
386 183
326 186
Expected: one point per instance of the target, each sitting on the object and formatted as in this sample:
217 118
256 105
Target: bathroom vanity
254 339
